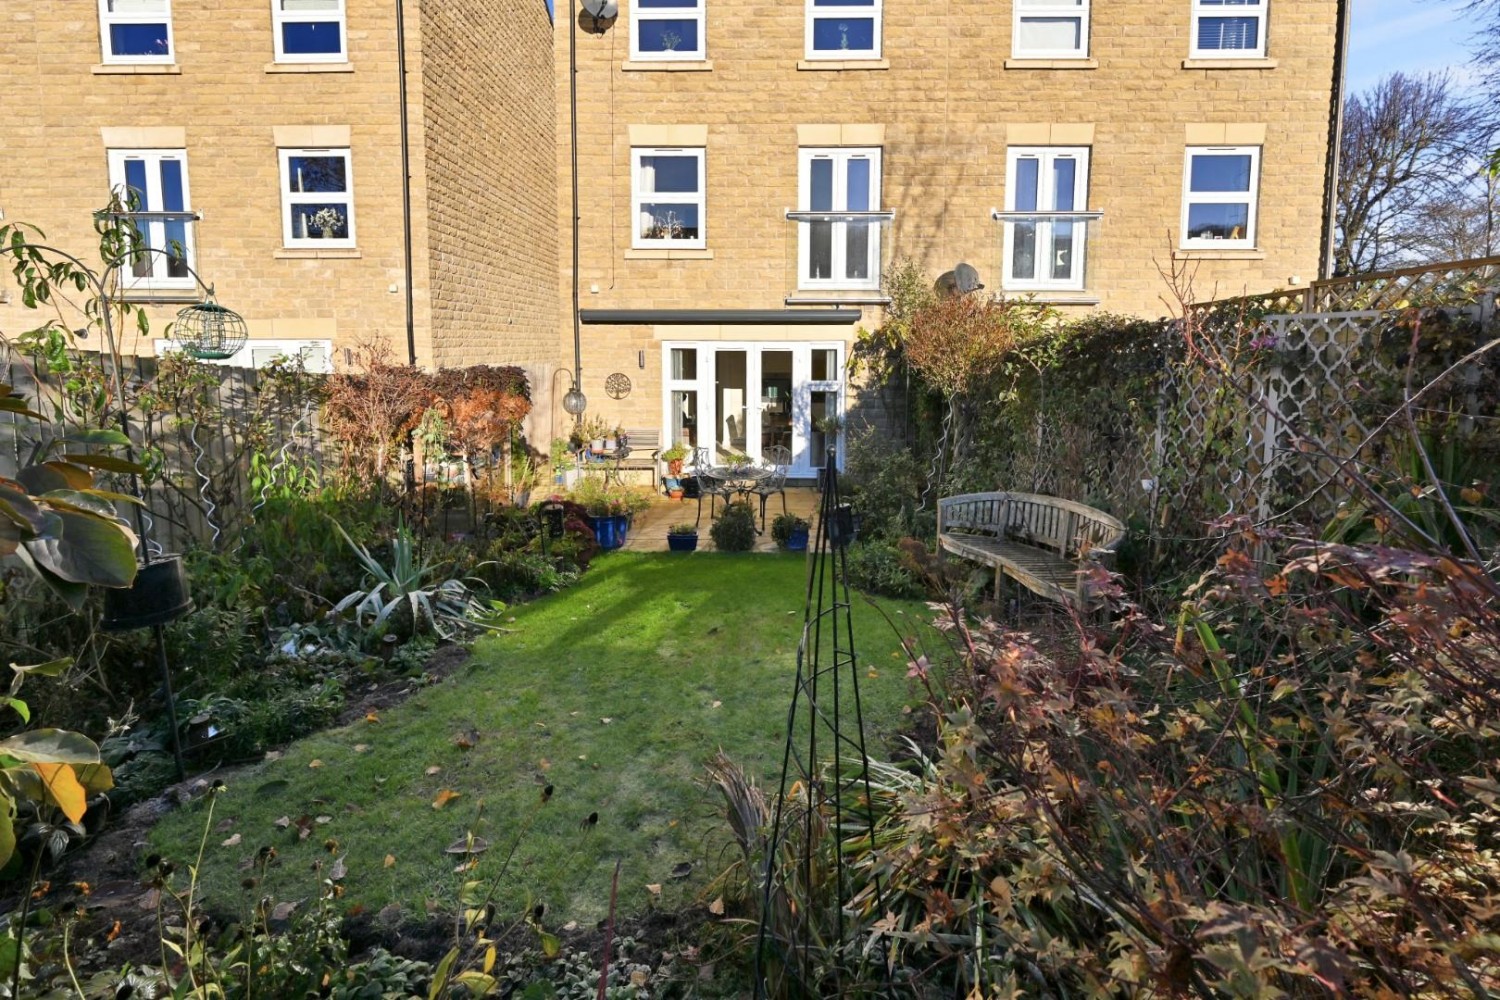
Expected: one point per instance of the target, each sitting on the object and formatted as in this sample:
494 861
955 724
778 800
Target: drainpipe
411 326
1335 139
573 149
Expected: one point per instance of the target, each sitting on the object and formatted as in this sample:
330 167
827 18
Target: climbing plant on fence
1149 419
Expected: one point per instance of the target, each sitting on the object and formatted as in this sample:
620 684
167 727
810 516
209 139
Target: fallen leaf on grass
716 704
444 796
682 869
544 764
606 720
654 888
467 845
717 907
283 822
232 841
361 747
466 740
324 820
372 717
315 763
434 769
338 869
390 861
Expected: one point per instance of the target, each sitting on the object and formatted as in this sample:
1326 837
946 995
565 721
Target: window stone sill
137 69
834 64
310 67
667 66
832 297
1051 64
665 254
1051 298
162 297
315 253
1229 64
1228 253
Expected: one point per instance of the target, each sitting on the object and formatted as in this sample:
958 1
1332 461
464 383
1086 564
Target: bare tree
1412 150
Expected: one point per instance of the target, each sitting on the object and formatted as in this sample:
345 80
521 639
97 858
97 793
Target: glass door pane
683 425
775 401
730 384
823 411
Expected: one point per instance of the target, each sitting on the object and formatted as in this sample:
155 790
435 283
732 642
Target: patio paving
648 532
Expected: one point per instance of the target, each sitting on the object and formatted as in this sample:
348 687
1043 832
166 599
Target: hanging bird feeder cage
209 331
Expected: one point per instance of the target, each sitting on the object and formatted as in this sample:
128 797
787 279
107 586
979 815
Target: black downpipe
411 322
1335 141
573 148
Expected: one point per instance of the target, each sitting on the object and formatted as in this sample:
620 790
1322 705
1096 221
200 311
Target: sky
1413 36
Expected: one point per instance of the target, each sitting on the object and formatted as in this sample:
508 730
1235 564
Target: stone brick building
280 124
748 170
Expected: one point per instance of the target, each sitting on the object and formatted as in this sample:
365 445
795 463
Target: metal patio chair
708 484
780 458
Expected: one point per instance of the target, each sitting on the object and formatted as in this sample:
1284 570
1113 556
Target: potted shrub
682 537
790 532
564 463
734 531
674 457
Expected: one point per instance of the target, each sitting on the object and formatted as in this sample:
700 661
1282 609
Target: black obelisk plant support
824 815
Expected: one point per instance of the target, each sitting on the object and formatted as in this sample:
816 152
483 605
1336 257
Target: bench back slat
1064 526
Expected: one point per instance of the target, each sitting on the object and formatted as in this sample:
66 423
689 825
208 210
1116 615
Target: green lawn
615 692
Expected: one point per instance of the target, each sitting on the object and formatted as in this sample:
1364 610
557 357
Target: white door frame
803 387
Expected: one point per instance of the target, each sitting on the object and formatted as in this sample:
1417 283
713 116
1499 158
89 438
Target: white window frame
1045 195
1050 10
280 16
1251 197
156 229
639 197
243 358
840 156
695 13
1258 10
108 18
290 198
814 13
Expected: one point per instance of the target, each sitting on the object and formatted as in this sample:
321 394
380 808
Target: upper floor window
1051 29
843 29
667 29
136 31
309 30
317 198
1229 29
667 198
156 181
839 253
1219 196
1045 250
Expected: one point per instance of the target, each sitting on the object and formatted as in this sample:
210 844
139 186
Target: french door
746 399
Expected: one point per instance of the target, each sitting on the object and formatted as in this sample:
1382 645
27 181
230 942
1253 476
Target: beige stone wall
489 138
227 99
948 104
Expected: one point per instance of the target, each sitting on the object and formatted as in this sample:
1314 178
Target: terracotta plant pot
675 494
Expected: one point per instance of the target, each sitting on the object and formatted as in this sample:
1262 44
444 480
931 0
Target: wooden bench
1043 543
641 453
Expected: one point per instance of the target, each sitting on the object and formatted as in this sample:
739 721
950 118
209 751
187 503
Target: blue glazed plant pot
797 541
607 532
682 543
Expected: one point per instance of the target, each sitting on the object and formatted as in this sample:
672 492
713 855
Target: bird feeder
209 331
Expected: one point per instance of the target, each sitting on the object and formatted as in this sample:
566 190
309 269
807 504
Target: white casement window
1229 29
317 198
156 181
1051 29
309 31
1219 186
839 253
1047 250
667 29
843 29
667 198
136 31
315 355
